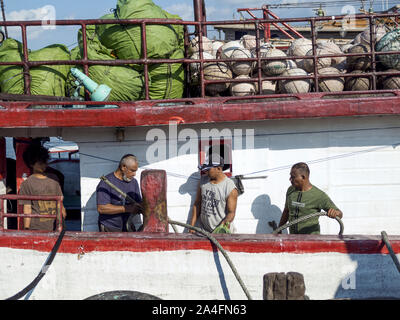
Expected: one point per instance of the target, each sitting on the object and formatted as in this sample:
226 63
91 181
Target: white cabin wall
352 159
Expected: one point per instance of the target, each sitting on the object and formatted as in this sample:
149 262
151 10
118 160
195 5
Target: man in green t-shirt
302 198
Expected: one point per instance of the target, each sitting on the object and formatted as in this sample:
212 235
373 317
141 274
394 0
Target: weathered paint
153 184
198 110
190 268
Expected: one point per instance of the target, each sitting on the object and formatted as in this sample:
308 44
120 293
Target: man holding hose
303 198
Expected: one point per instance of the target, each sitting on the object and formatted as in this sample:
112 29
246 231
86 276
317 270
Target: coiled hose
309 216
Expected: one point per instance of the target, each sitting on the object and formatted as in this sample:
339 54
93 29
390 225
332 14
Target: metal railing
200 30
20 215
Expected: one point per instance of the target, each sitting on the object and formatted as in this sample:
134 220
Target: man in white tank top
216 197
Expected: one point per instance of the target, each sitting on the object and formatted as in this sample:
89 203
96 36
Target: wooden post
281 286
153 184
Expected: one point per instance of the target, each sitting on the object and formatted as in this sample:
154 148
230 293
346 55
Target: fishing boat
350 139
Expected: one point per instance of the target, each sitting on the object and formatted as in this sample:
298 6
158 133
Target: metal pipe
4 17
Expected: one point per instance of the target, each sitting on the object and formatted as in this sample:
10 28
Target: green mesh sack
125 82
389 42
11 77
167 79
125 40
49 79
45 80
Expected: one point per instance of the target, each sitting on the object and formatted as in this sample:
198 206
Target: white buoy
357 83
228 48
294 86
241 67
217 71
361 62
243 88
300 47
391 82
334 84
195 66
321 63
274 67
215 47
267 86
194 45
364 37
330 47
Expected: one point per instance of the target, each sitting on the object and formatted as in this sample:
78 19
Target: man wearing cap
216 198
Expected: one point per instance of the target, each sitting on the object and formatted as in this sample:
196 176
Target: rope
385 239
312 215
214 241
44 269
207 234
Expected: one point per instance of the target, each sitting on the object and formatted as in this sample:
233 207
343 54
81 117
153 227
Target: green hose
312 215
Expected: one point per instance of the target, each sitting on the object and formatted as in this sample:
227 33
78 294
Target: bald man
114 210
303 198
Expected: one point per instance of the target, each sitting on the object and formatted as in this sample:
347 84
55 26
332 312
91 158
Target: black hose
276 231
44 269
214 241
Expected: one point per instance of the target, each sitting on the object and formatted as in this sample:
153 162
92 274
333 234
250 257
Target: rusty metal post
27 76
4 17
315 59
146 66
153 184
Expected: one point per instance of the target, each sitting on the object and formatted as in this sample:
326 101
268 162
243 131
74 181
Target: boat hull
186 266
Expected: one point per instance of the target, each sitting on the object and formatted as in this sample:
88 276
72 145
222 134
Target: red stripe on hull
75 243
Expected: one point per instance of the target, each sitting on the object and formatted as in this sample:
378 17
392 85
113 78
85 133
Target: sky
39 37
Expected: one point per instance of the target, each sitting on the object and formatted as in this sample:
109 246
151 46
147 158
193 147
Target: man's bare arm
231 204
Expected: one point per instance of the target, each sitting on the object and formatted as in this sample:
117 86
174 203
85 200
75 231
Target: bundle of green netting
390 42
45 80
126 83
166 81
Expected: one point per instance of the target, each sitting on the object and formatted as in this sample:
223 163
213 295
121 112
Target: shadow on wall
90 215
190 187
375 277
265 212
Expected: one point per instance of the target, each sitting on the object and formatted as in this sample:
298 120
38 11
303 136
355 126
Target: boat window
222 147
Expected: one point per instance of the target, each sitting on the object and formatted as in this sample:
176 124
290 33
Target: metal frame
124 111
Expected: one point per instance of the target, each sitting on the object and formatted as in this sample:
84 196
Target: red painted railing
59 217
